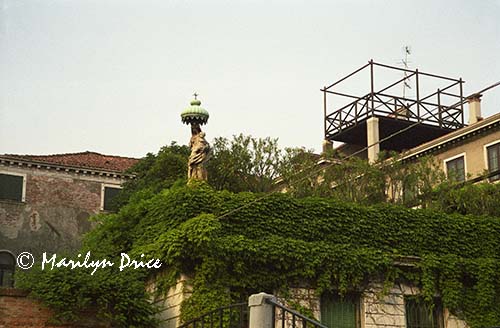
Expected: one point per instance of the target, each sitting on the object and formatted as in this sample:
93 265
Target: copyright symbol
25 260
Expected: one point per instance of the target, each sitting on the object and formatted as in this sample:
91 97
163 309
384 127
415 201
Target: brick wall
55 213
17 310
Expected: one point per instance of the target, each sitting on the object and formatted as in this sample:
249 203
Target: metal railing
231 316
385 102
286 318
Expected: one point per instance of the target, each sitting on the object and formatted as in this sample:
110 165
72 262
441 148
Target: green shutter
337 312
11 187
420 314
494 160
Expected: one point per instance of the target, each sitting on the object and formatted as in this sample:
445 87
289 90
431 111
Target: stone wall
303 297
377 309
55 213
385 310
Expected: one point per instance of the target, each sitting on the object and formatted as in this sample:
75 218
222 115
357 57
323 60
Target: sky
113 76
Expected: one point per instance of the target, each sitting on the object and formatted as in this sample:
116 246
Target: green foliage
118 297
276 243
355 180
245 163
477 199
155 172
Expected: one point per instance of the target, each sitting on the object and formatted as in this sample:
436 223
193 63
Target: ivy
274 244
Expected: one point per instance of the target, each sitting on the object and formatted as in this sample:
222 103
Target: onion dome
195 114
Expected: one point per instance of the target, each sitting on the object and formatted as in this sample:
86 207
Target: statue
196 116
200 154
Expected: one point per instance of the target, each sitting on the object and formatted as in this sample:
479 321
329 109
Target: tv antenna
406 64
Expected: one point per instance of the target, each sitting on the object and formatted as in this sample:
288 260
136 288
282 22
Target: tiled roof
86 159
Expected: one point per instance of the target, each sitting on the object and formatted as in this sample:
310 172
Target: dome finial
195 113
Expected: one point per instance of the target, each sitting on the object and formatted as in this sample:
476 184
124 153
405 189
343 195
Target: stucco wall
55 213
475 153
169 303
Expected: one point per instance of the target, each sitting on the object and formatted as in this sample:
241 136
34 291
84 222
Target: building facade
467 153
46 201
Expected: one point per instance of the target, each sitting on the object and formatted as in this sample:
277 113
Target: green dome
194 113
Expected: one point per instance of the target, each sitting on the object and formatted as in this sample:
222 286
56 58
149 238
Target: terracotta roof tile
86 159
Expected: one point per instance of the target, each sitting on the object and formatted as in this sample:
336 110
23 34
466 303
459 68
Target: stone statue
200 153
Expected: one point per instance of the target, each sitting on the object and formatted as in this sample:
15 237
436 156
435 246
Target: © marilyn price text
26 260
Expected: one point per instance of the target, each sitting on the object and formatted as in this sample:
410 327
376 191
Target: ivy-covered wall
233 245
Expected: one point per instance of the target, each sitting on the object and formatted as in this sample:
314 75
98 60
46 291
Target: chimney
474 108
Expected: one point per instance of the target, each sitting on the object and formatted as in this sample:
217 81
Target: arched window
7 266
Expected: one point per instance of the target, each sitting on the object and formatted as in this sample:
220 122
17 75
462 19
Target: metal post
418 95
461 100
356 113
372 87
324 111
440 114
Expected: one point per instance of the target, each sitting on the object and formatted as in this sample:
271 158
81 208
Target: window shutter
11 187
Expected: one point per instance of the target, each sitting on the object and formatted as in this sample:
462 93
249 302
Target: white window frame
485 151
24 175
464 155
109 185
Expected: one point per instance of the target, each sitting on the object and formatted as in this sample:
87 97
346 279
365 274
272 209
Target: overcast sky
112 76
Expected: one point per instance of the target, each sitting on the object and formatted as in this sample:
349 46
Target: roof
491 123
87 159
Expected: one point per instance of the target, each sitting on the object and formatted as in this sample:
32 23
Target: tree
245 163
155 172
353 179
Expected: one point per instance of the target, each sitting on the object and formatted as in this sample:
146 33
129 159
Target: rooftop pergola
436 113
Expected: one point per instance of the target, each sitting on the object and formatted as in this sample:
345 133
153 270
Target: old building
468 153
46 201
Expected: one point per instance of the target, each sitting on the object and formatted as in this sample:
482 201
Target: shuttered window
337 312
420 314
11 187
7 266
493 153
109 194
456 169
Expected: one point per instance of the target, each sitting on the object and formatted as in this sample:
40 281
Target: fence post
261 312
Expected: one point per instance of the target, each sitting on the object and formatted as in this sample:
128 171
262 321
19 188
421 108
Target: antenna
406 64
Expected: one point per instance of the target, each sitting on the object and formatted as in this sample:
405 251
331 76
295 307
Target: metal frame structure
431 109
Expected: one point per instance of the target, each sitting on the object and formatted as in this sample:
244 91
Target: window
7 265
493 154
337 312
108 193
12 186
420 314
455 168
